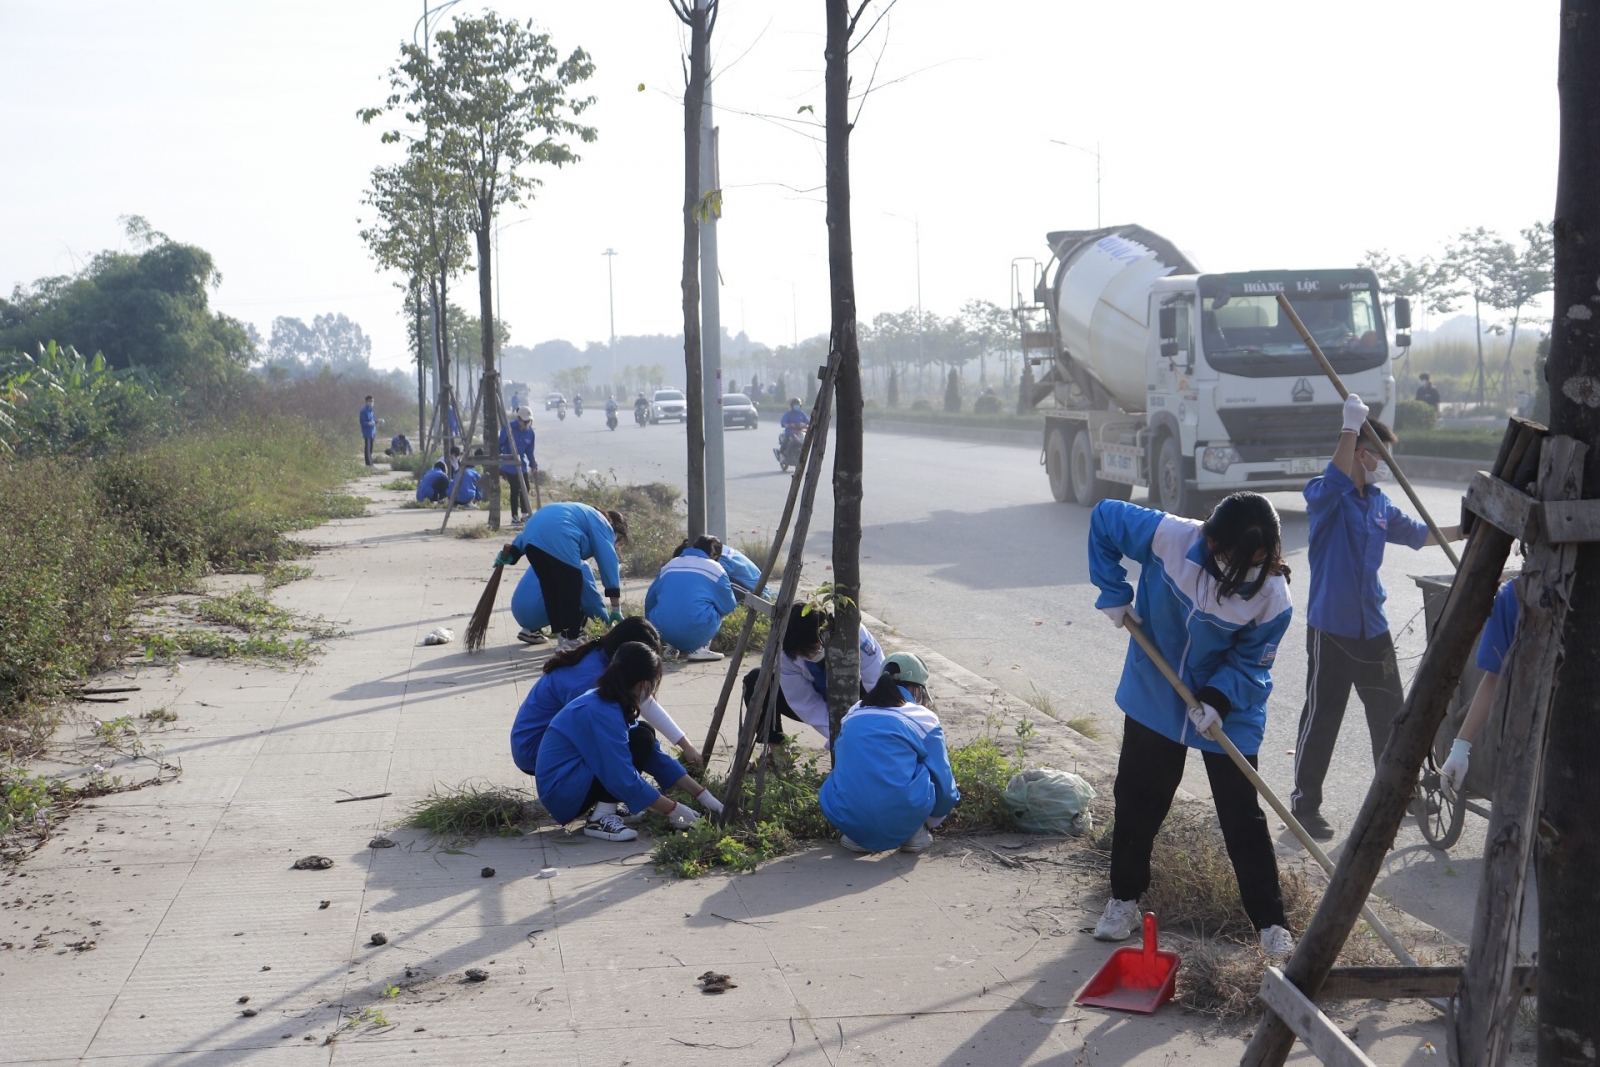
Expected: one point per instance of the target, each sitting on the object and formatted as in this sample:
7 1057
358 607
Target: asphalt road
965 550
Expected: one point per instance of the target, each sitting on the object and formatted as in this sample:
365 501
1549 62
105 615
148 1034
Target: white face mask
1380 473
1253 573
814 657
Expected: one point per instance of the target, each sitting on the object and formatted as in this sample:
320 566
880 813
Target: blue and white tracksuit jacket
891 773
805 684
743 572
572 533
588 740
688 599
558 688
1222 649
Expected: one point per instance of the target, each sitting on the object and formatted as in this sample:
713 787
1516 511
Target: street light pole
711 325
916 224
611 303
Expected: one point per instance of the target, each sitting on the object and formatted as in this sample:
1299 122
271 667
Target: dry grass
474 810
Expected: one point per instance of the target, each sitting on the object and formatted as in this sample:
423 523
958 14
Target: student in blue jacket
556 540
369 429
1214 598
467 483
527 607
743 571
518 439
592 753
1493 647
1348 645
891 781
689 597
568 675
434 484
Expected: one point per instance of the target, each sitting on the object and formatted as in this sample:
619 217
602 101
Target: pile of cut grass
471 811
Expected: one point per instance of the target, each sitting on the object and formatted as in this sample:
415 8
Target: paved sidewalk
180 901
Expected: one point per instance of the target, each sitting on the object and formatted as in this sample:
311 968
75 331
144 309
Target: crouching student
595 748
1214 598
743 571
467 491
689 597
569 674
1493 648
803 676
434 484
891 781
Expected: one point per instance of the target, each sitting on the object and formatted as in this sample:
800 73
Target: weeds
471 811
208 644
982 770
160 717
728 633
654 527
757 546
402 485
1087 725
477 531
282 574
26 801
1040 701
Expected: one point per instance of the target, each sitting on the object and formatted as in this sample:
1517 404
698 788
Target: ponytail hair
634 628
619 525
631 664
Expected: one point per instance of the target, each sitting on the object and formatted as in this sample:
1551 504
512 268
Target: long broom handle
1372 441
1262 787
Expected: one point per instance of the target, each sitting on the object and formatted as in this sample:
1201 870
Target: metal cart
1439 817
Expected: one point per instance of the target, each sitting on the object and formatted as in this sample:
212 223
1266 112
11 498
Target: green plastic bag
1046 801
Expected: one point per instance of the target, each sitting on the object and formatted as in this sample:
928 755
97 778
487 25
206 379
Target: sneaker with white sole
1276 943
564 643
847 842
629 818
610 828
1118 920
919 841
704 655
531 637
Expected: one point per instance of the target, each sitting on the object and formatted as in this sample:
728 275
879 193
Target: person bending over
891 781
689 598
568 675
1214 599
595 748
434 484
556 540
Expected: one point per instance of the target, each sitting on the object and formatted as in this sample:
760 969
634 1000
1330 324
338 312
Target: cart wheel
1443 828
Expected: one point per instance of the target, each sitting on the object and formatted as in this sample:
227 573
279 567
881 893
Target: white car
553 401
668 404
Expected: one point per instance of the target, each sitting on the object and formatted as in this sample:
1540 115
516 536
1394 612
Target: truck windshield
1343 323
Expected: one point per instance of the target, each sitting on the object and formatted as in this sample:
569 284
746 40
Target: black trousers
562 587
519 495
1334 665
367 444
641 746
775 734
1148 774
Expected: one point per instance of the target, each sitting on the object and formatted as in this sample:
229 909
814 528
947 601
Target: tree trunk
422 367
1505 372
489 384
693 98
1569 857
1477 322
844 649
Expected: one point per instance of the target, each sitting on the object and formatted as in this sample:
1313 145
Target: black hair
619 525
635 628
438 465
709 545
1381 430
804 629
1242 527
886 693
369 398
631 664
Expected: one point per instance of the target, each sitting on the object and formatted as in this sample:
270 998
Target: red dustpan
1135 979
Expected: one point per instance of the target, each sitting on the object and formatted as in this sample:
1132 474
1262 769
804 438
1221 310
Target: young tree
1569 836
1476 257
1516 278
701 18
495 98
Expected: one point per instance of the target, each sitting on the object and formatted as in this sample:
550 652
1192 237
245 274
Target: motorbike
640 414
788 451
611 418
577 406
561 412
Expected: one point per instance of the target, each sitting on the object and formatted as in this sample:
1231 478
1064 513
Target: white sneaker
564 643
610 828
704 655
1118 920
1276 943
919 841
844 839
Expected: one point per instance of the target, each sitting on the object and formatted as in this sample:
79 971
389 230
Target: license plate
1308 465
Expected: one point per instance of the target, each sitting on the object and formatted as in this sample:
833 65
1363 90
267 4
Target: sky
1255 135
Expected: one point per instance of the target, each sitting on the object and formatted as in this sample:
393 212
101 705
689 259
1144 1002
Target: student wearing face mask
802 675
1214 598
1347 634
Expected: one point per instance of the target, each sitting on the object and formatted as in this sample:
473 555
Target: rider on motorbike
641 408
793 421
611 404
577 404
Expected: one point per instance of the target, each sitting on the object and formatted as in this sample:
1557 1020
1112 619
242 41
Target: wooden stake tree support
1531 495
491 463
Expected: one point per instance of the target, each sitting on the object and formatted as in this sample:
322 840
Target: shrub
982 771
1476 442
728 633
1414 415
921 405
654 527
987 404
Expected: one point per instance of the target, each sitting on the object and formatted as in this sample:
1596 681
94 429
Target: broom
478 627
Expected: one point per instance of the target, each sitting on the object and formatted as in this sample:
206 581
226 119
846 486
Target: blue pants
647 759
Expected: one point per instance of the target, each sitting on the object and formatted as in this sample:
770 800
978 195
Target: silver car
739 410
668 404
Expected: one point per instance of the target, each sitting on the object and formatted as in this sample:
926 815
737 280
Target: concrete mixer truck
1190 384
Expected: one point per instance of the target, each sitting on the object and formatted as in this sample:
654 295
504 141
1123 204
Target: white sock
602 809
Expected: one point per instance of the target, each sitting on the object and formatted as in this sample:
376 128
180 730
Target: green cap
907 668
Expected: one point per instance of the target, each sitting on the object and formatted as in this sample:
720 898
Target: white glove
682 816
1454 771
709 802
1120 612
1355 414
1204 718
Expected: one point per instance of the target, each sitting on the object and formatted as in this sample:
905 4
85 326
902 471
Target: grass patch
1040 701
757 546
248 611
471 811
402 485
282 574
478 531
728 633
429 505
1087 725
655 528
982 770
208 644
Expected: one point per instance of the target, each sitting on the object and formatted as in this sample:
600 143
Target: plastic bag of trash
1046 801
442 636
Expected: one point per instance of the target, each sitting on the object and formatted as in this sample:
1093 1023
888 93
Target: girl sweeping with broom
556 541
1214 598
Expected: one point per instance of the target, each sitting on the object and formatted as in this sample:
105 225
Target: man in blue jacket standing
1347 634
369 429
517 439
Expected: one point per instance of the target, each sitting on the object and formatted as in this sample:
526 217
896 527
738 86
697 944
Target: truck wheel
1167 488
1087 489
1056 466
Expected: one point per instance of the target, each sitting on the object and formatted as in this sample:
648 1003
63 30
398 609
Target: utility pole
611 301
711 323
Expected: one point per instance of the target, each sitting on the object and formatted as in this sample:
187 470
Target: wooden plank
1567 521
1506 506
755 603
1408 983
1484 1023
1325 1040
